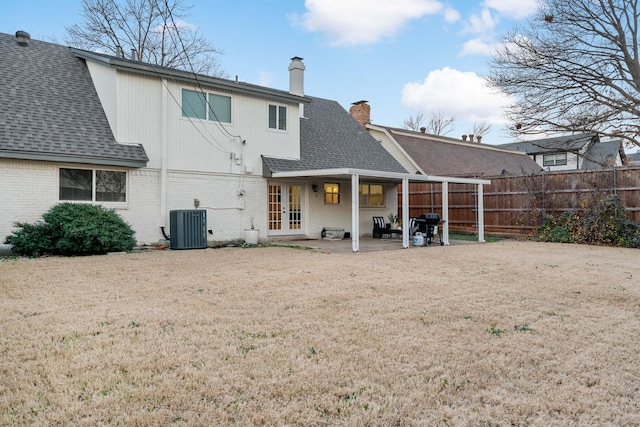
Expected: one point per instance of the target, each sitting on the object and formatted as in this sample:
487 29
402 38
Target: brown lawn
508 333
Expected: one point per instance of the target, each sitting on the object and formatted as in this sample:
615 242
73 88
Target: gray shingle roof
444 156
602 154
49 109
567 143
330 138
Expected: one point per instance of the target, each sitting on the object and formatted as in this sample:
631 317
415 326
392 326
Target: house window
220 108
277 117
331 193
371 195
194 105
555 159
93 185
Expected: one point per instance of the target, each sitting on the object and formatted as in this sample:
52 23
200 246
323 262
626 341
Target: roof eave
69 158
174 74
377 174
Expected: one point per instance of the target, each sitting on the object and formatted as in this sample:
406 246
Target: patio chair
413 226
379 228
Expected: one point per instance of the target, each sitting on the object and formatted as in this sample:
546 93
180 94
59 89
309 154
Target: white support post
405 213
480 214
445 213
355 213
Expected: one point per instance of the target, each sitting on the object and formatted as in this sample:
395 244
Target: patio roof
404 178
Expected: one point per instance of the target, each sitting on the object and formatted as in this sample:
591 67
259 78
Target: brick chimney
423 129
479 139
361 111
296 76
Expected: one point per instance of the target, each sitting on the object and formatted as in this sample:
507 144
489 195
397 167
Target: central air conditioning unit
188 229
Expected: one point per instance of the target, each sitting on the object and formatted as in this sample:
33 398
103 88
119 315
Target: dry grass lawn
507 333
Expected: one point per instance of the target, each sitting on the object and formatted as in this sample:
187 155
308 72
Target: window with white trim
371 195
557 159
277 117
195 106
92 185
331 193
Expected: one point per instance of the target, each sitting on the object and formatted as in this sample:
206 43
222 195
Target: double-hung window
331 193
277 117
212 106
371 195
557 159
92 185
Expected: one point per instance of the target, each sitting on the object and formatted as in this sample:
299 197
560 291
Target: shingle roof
330 138
602 154
49 109
437 155
565 143
598 154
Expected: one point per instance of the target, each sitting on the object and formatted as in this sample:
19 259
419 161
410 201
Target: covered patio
355 175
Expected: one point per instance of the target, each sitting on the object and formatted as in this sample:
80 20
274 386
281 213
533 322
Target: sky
403 56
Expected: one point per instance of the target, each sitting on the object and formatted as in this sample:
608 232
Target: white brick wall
28 189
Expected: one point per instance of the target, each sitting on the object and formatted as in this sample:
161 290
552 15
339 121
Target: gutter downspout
164 149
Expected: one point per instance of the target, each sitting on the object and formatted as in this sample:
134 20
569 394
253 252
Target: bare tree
574 68
440 125
152 30
437 125
481 129
414 123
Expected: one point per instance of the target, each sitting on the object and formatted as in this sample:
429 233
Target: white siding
200 145
104 80
393 149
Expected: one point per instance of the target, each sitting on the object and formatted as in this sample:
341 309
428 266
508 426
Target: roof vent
23 38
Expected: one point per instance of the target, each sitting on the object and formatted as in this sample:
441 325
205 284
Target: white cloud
478 47
515 9
462 94
355 22
482 24
451 15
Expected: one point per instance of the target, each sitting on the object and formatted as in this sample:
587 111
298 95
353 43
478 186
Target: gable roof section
604 154
566 143
438 155
330 139
50 110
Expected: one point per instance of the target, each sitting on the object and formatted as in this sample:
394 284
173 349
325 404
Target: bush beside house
73 229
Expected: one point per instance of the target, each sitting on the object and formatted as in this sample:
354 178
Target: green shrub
602 223
73 229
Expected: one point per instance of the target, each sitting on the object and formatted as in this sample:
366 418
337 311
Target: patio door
285 208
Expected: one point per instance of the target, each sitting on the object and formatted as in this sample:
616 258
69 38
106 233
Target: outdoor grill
428 226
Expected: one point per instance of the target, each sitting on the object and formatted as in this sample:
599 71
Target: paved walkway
367 244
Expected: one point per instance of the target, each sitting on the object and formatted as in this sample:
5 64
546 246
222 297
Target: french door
285 208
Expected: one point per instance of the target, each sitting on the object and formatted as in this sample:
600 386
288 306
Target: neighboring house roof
50 110
635 158
567 143
594 152
603 154
439 155
329 139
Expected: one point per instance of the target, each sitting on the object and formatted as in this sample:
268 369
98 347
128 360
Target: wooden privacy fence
515 204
